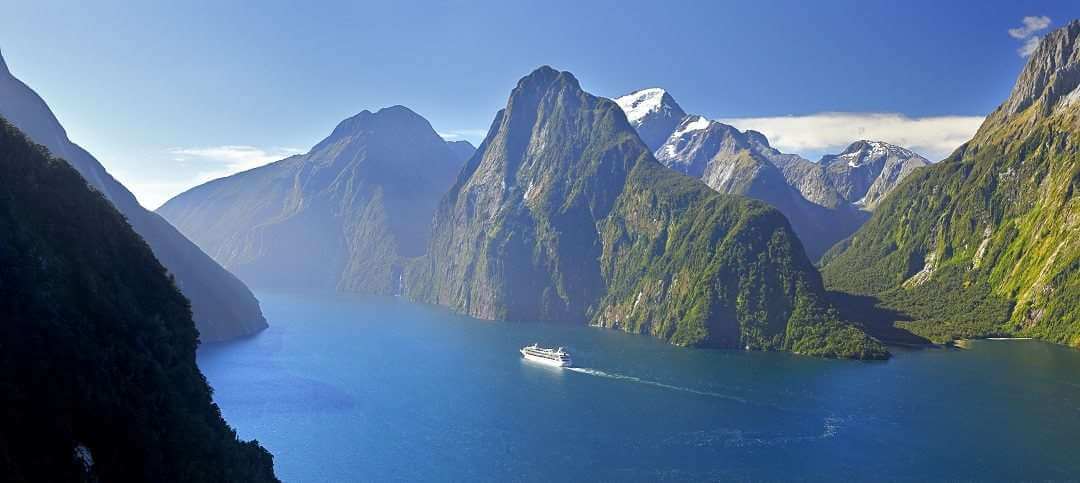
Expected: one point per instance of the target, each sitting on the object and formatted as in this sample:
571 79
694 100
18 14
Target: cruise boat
552 357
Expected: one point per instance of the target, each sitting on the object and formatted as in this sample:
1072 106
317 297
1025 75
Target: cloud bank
830 132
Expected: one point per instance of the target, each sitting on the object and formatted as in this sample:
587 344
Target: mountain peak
544 76
642 103
393 118
860 152
3 65
757 137
654 113
1051 75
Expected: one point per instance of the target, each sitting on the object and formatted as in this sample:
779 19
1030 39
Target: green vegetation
986 242
97 345
564 215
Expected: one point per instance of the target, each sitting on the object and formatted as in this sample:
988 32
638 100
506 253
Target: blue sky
169 94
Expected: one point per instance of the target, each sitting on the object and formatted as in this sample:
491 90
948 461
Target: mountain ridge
224 308
564 215
98 374
989 235
362 198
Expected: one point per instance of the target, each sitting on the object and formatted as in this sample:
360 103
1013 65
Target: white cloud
1031 25
215 162
1029 46
1026 32
830 132
472 135
197 166
232 158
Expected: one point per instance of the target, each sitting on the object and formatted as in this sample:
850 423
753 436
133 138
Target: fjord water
374 389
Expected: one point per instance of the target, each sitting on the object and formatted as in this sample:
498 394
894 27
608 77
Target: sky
168 95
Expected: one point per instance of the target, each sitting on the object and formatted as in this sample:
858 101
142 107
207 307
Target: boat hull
544 361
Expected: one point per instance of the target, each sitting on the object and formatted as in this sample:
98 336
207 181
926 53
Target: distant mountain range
564 215
344 216
861 175
987 242
223 307
824 201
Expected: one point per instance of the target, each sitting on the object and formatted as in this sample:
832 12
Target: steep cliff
97 346
564 215
224 308
987 241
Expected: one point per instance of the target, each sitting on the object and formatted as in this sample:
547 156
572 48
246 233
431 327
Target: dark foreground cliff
98 380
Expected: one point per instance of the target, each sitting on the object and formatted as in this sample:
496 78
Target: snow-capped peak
639 104
861 151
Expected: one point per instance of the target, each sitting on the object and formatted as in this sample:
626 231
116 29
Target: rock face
868 170
564 215
653 113
98 379
341 217
861 175
987 241
224 308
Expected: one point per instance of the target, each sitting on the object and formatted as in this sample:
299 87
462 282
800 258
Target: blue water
362 389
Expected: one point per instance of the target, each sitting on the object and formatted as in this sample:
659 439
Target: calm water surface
362 389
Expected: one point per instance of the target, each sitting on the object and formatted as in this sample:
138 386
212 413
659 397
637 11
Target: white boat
551 357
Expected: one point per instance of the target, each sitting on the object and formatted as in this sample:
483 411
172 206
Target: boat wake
638 380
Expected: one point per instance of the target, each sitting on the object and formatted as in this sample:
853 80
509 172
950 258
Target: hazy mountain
653 113
564 215
97 369
733 162
224 308
463 150
340 217
988 240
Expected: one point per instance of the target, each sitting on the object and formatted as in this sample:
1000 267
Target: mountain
825 201
860 175
463 150
98 379
733 162
224 308
564 215
653 113
341 217
987 242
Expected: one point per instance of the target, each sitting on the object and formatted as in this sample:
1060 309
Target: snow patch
639 104
874 150
530 192
691 124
